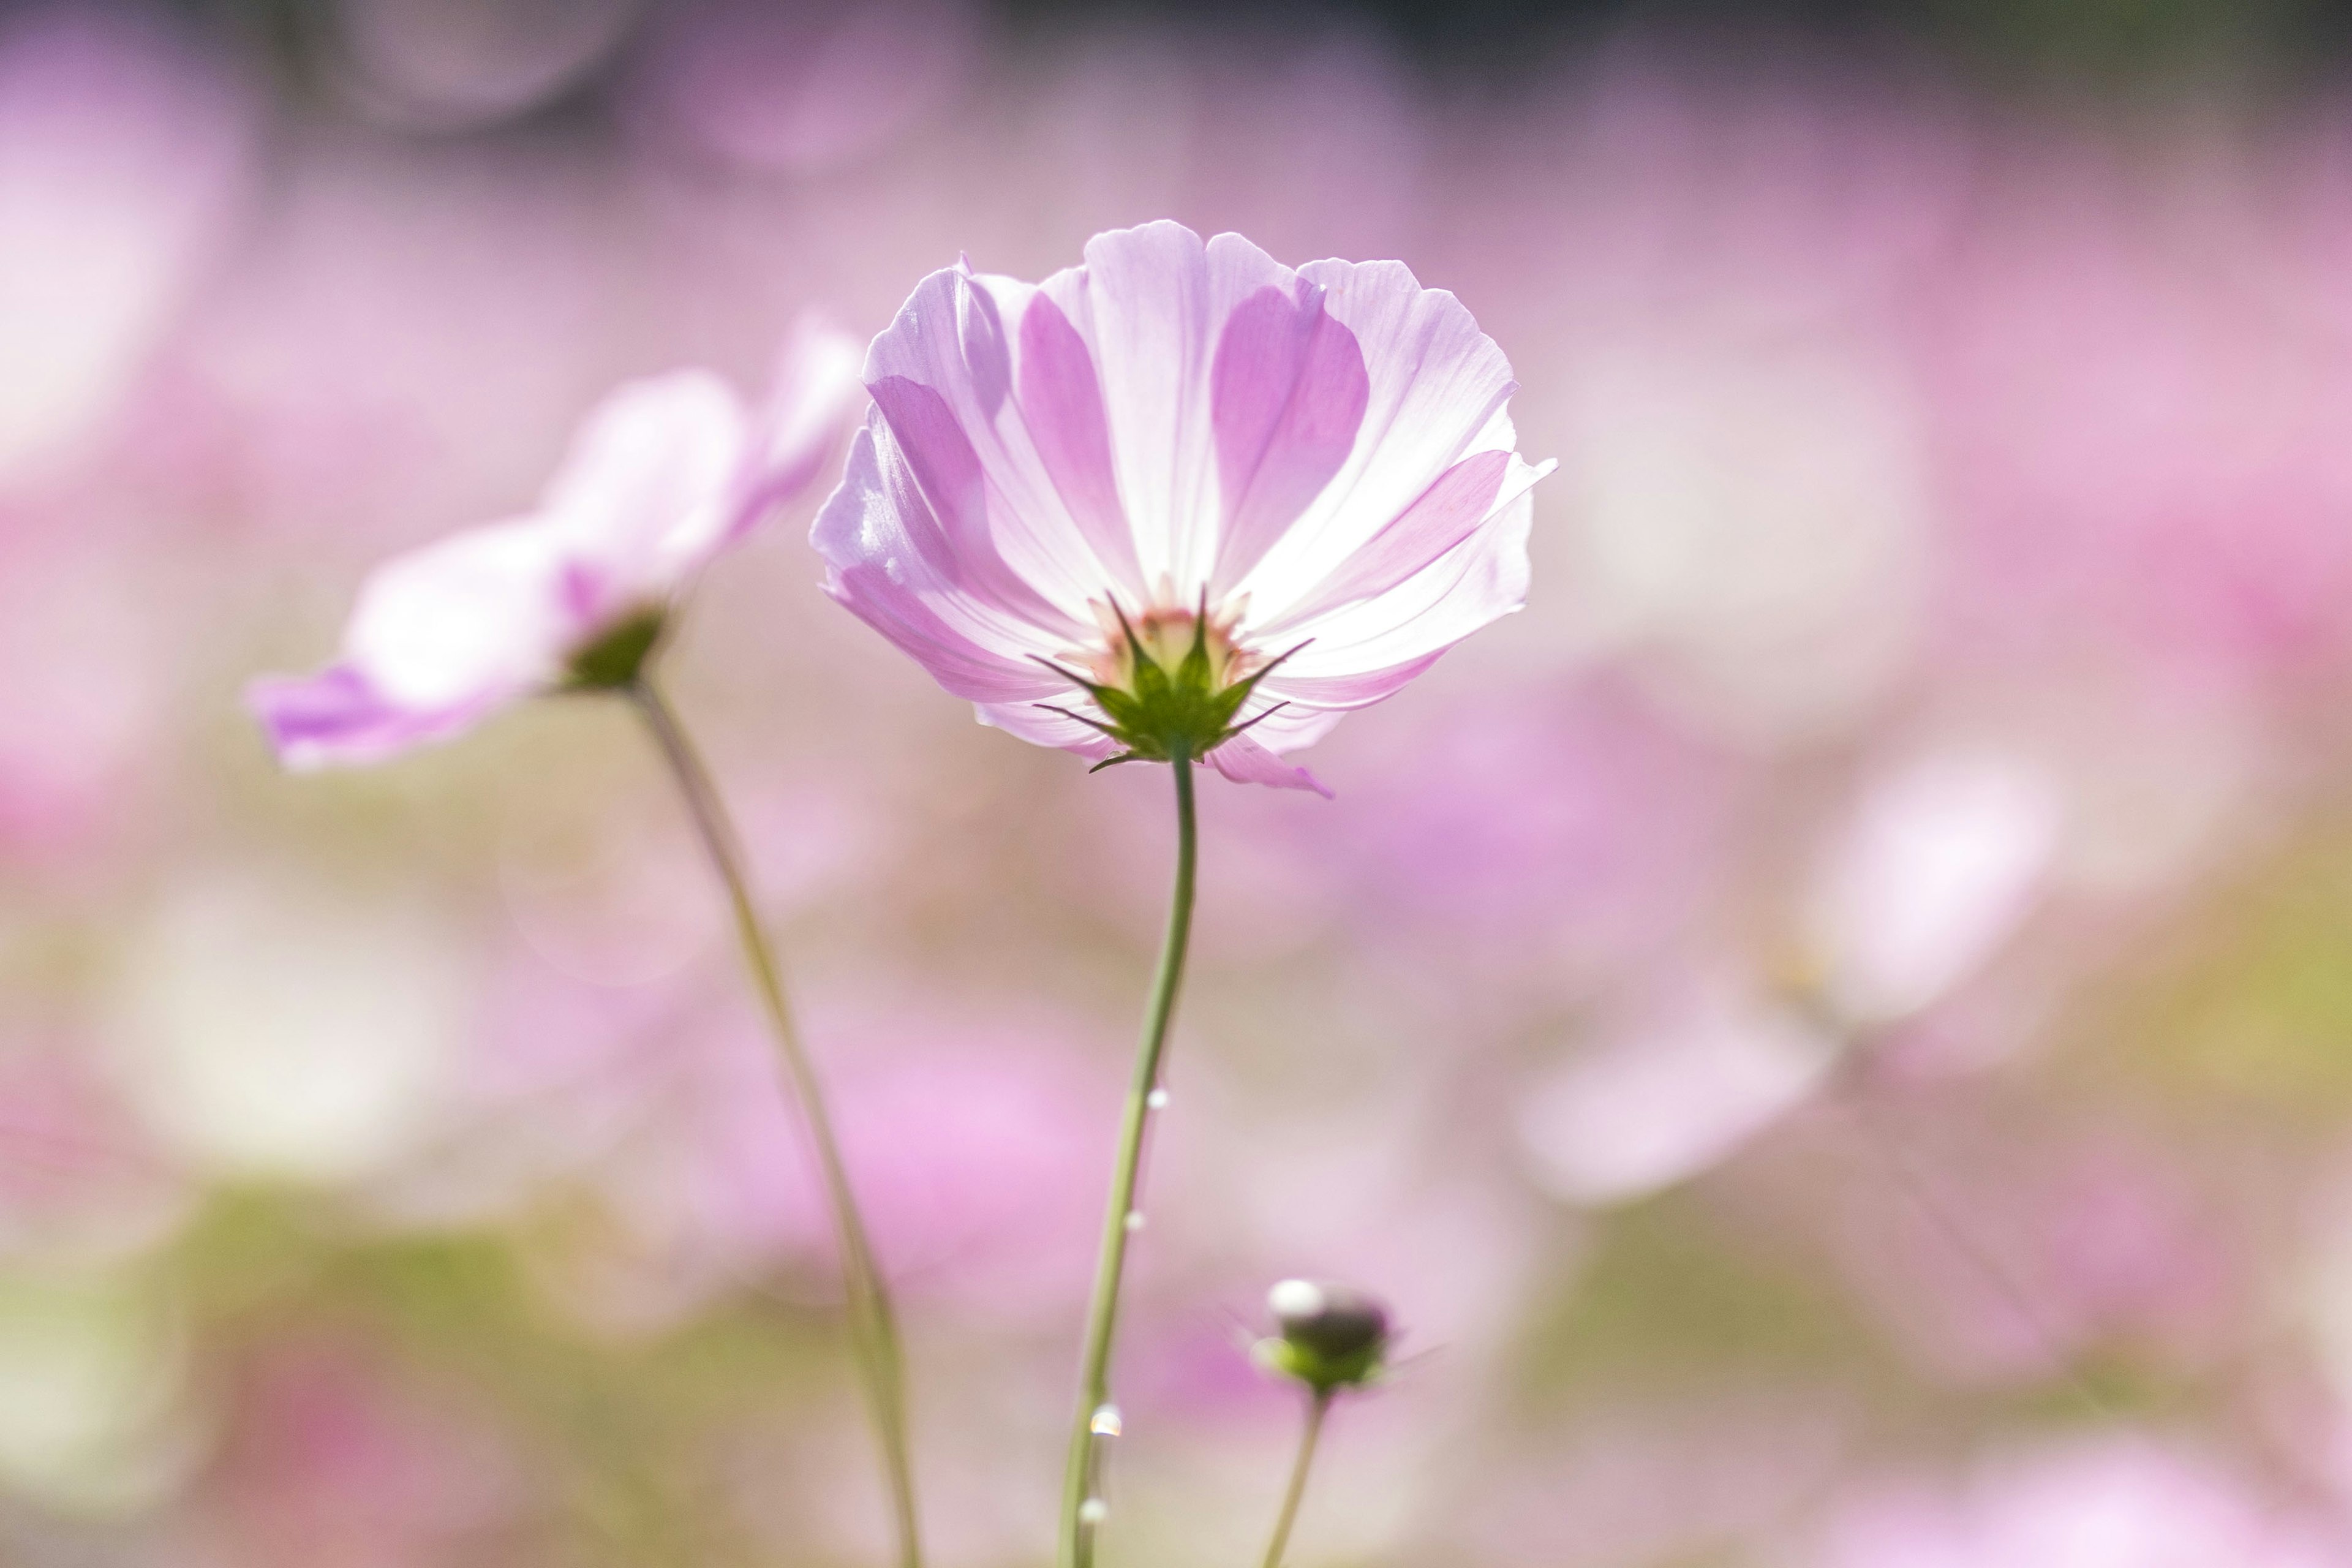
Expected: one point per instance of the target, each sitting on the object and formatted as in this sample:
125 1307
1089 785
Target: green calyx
1332 1336
1174 696
1322 1373
613 661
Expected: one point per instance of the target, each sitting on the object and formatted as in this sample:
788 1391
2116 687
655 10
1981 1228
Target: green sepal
613 661
1323 1373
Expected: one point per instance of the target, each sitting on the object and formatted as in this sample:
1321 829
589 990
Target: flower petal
1476 582
646 493
336 719
1244 760
888 562
1337 694
1438 388
943 377
1287 395
1061 400
487 610
1284 726
1151 303
799 425
926 453
1464 498
1042 726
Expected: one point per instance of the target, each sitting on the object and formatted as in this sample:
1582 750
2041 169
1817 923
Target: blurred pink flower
1689 1082
975 1138
79 1180
1939 861
1317 460
2112 1502
1648 1480
1942 862
666 474
2001 1259
2145 455
331 1456
807 88
1573 826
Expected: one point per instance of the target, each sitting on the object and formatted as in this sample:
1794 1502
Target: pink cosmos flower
667 473
1182 498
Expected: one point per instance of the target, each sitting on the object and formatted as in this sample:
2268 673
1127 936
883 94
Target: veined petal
889 562
929 462
1465 497
1287 394
1062 404
1437 389
1152 302
1476 582
486 611
335 718
1330 696
943 377
1282 725
1042 727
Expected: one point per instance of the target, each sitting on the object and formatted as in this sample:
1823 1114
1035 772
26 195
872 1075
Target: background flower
664 474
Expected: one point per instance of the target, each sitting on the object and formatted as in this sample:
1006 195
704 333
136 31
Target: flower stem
1081 1479
872 1329
1318 1404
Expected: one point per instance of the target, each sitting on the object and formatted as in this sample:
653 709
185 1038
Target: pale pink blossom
1944 859
1310 473
1688 1082
2116 1501
666 474
971 1134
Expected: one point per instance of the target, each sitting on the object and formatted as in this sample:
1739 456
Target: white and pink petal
487 610
644 495
810 400
335 718
943 379
1244 761
889 561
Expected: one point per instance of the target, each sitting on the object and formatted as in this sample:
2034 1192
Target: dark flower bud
1333 1336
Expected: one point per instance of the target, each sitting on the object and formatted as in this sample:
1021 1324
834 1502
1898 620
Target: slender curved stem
1080 1481
1318 1407
873 1328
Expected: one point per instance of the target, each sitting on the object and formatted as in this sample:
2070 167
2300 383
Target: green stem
872 1329
1318 1405
1081 1478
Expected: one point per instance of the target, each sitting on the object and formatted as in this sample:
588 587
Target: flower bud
1333 1336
